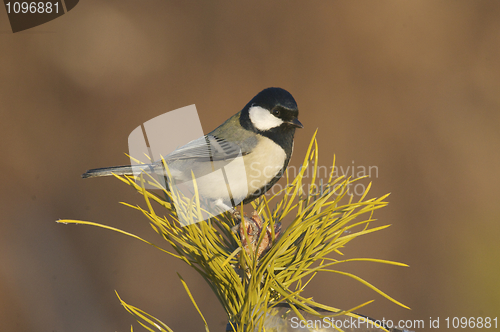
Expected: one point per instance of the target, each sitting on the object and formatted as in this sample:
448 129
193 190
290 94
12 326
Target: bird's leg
223 207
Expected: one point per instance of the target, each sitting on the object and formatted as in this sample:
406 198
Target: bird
252 148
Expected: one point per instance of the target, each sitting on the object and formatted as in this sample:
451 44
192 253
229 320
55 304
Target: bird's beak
295 123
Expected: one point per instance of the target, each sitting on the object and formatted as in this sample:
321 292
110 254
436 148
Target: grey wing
207 148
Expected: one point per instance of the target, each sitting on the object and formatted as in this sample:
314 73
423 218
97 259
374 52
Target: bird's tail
118 170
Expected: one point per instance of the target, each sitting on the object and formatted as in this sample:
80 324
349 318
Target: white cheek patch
262 119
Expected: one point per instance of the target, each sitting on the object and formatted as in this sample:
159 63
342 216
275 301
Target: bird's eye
276 113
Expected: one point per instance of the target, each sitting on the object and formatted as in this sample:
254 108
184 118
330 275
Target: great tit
260 135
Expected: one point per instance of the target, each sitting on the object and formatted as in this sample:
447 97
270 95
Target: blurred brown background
412 87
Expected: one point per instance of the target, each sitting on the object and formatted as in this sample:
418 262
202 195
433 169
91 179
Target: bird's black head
272 113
